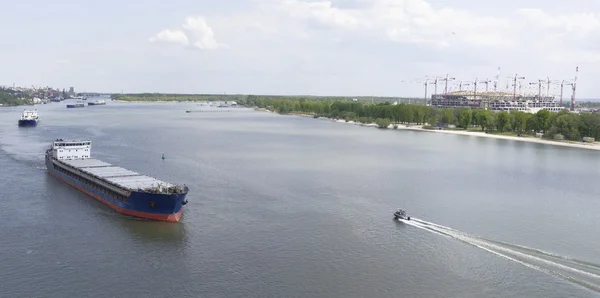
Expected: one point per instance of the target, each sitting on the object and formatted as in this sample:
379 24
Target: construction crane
574 87
486 82
562 84
515 85
435 82
548 82
460 84
427 82
539 83
446 86
497 79
475 89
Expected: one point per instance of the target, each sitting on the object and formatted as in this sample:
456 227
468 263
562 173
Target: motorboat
401 214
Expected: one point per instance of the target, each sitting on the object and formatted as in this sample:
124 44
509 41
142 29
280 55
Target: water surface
285 206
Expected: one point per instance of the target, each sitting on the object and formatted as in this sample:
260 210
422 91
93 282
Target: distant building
71 90
496 101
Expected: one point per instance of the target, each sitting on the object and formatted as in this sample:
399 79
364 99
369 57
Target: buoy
163 157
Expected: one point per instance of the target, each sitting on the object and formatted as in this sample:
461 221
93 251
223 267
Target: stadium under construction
516 96
496 101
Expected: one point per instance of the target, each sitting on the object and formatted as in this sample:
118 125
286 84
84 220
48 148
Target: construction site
515 95
496 101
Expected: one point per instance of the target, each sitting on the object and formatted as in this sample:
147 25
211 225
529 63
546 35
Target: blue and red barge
123 190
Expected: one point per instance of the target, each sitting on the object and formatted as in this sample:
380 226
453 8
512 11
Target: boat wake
582 273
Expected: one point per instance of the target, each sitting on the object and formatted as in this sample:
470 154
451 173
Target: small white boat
97 103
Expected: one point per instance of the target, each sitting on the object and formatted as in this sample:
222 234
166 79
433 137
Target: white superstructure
69 150
29 115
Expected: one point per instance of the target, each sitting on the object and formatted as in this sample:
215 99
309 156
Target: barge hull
25 123
154 206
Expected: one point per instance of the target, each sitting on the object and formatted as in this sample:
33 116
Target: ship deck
117 175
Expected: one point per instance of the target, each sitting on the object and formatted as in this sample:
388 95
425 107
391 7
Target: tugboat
29 118
401 214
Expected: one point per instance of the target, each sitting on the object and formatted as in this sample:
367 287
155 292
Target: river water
287 206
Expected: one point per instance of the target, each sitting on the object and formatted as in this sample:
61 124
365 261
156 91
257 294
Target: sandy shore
572 144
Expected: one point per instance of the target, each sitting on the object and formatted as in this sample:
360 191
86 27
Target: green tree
590 125
448 116
520 121
542 118
383 122
464 118
484 119
531 124
419 114
503 121
432 121
567 125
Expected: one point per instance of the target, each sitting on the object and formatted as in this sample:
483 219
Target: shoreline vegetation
8 99
563 128
426 128
242 98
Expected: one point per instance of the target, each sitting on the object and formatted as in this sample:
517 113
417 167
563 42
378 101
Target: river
288 206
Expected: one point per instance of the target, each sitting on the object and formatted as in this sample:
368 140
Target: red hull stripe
175 217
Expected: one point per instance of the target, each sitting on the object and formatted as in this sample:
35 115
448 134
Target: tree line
9 99
250 99
571 126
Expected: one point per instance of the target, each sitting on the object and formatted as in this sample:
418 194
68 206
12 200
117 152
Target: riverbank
573 144
530 139
143 101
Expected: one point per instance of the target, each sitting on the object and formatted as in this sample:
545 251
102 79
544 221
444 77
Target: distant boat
76 105
97 103
29 118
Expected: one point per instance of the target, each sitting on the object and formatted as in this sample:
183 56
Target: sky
299 47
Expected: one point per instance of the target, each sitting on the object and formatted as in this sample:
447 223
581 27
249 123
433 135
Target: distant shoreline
158 101
571 144
132 101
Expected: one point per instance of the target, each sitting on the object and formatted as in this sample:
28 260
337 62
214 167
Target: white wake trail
531 258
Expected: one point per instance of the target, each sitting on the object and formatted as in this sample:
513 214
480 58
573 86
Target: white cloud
170 36
522 32
408 21
579 24
195 31
322 12
201 32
